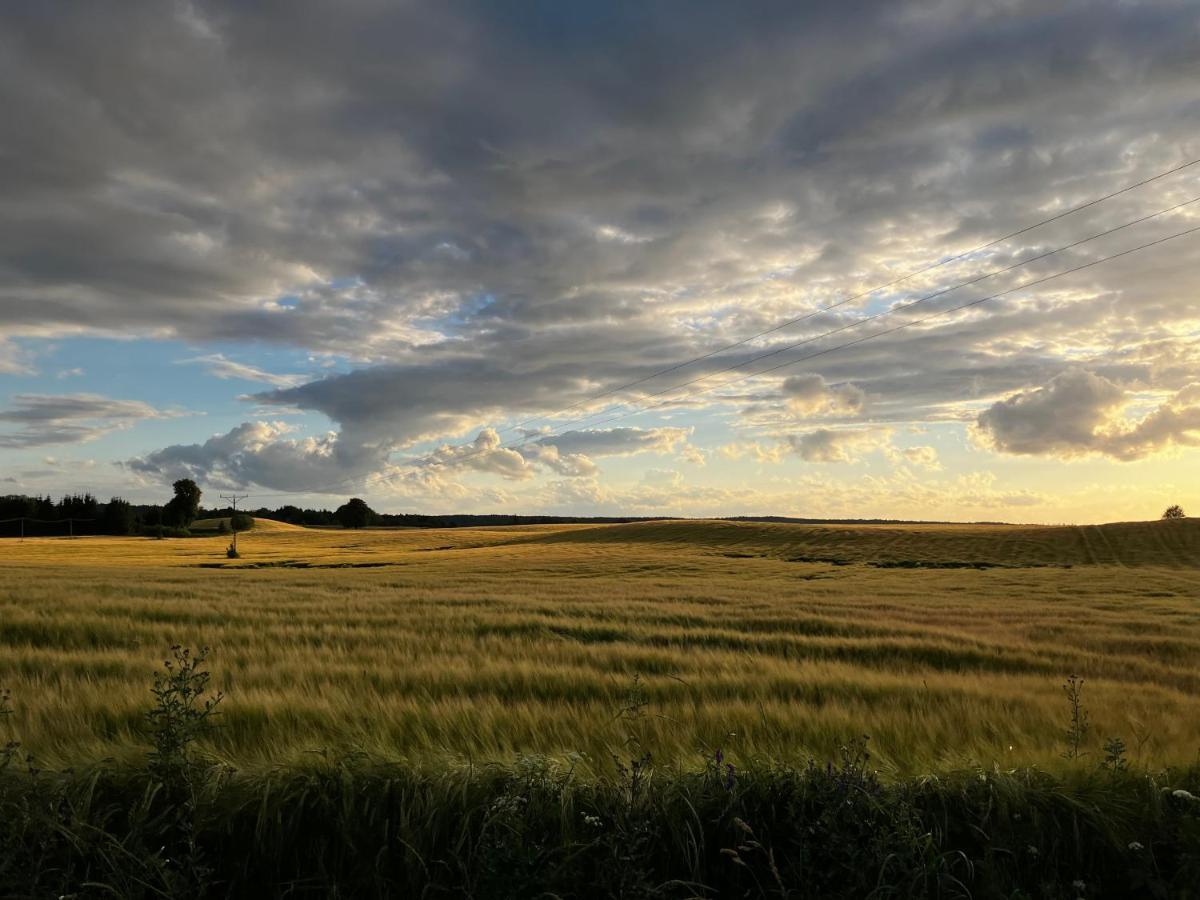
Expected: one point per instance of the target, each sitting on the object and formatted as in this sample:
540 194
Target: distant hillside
323 517
1173 543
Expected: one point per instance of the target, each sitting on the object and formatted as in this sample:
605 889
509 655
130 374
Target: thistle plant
1078 727
182 712
10 748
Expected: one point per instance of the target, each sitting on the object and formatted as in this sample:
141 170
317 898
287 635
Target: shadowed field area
945 644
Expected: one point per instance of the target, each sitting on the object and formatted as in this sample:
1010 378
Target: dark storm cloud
504 209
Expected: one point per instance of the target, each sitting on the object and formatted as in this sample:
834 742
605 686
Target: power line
902 306
920 321
414 463
805 317
69 522
233 500
940 313
540 437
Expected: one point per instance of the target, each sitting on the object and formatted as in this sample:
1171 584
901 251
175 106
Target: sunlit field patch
945 644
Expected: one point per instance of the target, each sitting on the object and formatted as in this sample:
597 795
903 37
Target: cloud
626 172
498 214
485 454
221 367
810 394
1080 413
46 419
826 445
923 457
618 441
570 454
756 450
14 360
259 453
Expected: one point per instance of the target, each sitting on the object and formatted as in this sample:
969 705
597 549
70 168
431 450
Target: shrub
241 522
165 531
1173 512
181 713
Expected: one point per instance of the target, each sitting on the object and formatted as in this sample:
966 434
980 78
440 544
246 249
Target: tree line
356 513
21 514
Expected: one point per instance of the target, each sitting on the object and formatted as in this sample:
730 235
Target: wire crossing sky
650 259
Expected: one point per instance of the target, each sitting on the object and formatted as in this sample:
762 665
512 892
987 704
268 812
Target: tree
241 522
354 514
1173 512
181 511
117 517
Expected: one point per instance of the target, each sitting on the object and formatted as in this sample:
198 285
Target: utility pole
233 501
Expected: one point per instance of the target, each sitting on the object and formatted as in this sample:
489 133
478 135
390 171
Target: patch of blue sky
456 322
156 372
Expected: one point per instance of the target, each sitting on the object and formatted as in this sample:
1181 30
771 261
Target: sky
539 257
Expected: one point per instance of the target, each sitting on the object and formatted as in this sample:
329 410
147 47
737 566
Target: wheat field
944 644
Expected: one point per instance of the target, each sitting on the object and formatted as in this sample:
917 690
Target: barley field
947 645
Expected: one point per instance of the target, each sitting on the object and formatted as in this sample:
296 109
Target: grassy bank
180 825
536 830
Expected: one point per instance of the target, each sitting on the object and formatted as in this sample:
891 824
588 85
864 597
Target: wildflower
1079 885
1184 795
593 821
1032 850
1135 846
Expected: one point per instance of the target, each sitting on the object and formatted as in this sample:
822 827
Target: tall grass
524 640
186 827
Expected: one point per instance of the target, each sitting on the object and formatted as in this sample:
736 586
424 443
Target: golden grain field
943 643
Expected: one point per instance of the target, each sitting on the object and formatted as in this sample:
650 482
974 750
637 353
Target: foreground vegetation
652 710
180 826
772 642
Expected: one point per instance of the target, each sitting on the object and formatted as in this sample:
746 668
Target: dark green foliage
354 830
354 514
165 531
118 517
182 712
182 509
41 516
346 827
241 522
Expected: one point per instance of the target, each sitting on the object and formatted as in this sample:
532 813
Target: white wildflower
1135 846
